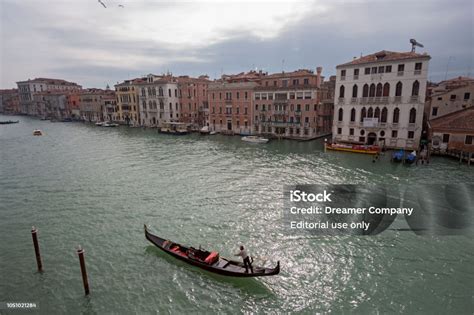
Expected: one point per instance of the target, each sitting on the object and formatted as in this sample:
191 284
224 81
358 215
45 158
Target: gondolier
243 253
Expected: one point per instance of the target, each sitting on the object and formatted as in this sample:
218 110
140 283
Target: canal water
96 187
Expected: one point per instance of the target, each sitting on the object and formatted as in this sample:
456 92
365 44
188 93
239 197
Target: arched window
341 91
398 90
144 103
153 91
365 90
412 119
377 113
386 89
363 114
143 92
353 114
341 114
372 90
154 104
384 115
160 91
354 90
150 105
370 113
379 90
416 88
149 91
396 115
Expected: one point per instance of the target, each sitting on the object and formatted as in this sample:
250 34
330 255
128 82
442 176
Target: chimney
318 76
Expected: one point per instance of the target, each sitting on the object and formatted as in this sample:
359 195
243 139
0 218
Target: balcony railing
228 101
417 72
282 102
400 73
298 113
341 100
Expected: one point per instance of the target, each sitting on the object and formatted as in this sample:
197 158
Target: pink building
194 106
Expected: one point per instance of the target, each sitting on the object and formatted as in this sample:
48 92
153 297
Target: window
394 133
363 114
377 113
169 92
246 95
401 68
257 96
386 89
384 115
365 90
411 134
343 74
381 69
396 115
467 96
306 107
340 114
306 81
341 91
418 66
274 83
415 89
351 131
353 114
412 119
374 70
379 90
469 139
398 89
354 91
367 71
445 137
434 111
452 97
362 139
356 72
362 132
372 90
382 133
370 112
388 69
339 131
284 83
296 82
238 95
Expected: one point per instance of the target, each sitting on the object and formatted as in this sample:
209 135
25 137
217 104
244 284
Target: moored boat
8 122
397 156
37 132
210 261
411 158
100 123
255 139
109 124
174 128
354 148
204 130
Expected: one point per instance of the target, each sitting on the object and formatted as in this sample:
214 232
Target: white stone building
379 99
158 100
28 89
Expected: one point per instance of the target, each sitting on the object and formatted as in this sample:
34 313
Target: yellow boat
364 149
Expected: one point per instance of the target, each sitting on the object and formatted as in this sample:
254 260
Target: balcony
354 100
280 102
356 77
417 72
280 112
341 100
414 99
228 101
400 73
298 113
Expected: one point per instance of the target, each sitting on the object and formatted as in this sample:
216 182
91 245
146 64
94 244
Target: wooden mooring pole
34 234
85 281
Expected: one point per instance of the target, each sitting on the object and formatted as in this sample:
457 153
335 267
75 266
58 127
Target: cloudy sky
81 41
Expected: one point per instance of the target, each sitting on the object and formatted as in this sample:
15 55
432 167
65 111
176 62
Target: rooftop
385 55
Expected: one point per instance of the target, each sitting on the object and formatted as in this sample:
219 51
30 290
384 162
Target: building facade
230 107
454 131
27 90
51 104
9 101
451 96
128 111
158 100
289 104
380 99
92 104
193 102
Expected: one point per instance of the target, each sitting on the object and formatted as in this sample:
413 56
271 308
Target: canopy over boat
210 261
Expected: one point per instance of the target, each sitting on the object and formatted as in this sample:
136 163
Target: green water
81 184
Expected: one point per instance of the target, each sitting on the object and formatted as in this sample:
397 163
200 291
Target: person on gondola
243 253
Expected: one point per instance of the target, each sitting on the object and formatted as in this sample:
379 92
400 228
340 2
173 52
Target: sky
83 42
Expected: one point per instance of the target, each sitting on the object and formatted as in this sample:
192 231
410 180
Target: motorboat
353 148
204 130
255 139
100 123
109 124
213 133
173 128
8 122
37 132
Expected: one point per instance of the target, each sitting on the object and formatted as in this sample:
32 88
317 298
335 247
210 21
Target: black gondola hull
223 266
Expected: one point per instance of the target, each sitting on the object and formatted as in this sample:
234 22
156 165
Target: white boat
100 123
204 130
255 139
109 124
213 133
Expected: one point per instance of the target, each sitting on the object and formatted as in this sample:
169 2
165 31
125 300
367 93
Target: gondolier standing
243 253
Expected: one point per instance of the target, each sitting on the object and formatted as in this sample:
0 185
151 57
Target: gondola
8 122
210 261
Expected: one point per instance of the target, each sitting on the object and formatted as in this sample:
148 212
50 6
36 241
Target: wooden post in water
34 234
469 159
85 281
325 143
460 157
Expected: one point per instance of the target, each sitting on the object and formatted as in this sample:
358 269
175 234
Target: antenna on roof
414 43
